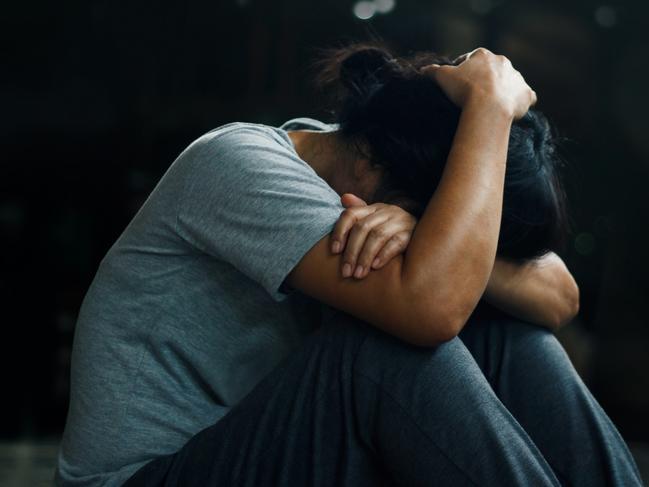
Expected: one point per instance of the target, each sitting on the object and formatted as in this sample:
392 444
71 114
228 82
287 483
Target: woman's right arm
426 295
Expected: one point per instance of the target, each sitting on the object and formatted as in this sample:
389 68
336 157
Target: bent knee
530 342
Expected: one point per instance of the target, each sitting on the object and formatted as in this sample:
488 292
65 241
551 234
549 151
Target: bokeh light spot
605 16
384 6
364 10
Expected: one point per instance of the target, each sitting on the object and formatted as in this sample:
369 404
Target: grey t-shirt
186 313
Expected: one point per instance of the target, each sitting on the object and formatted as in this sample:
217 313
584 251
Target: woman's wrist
483 101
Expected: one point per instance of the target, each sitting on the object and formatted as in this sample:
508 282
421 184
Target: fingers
349 200
346 222
487 72
480 51
504 61
430 69
376 239
384 242
396 245
460 59
530 92
357 240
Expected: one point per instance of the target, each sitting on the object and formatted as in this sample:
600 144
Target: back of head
400 119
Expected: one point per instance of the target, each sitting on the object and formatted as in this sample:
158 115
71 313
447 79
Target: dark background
98 98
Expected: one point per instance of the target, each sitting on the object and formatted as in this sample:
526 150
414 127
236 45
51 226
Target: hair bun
366 69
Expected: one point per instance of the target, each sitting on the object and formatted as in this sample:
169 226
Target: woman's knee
528 350
379 354
532 342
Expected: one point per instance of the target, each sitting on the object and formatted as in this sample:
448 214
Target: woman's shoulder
242 147
263 133
260 132
237 132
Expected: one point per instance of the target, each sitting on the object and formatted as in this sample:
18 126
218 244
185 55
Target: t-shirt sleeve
248 199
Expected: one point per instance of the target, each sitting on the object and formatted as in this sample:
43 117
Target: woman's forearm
541 291
453 247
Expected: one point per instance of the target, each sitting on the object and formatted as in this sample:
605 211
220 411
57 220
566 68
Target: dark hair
405 121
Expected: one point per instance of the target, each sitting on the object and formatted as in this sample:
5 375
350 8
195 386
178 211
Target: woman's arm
540 291
426 295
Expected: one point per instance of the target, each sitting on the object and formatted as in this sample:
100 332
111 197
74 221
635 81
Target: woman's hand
486 77
370 235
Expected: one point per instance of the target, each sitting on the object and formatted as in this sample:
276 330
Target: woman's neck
315 149
334 163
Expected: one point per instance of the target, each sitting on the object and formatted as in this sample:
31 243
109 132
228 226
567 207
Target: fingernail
359 271
335 247
376 262
347 270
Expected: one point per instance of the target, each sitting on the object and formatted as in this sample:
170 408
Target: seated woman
203 356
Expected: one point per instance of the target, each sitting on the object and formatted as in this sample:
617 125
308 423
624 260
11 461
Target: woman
196 360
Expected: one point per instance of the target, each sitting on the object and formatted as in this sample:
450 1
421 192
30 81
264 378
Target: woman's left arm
540 291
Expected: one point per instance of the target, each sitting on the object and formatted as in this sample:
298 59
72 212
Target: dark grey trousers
499 405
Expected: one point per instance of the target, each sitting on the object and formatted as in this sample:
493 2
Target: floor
27 463
30 464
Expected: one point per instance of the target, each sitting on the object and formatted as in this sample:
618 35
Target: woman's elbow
573 303
439 324
569 307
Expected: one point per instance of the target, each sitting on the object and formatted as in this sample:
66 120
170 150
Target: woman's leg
532 375
355 406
